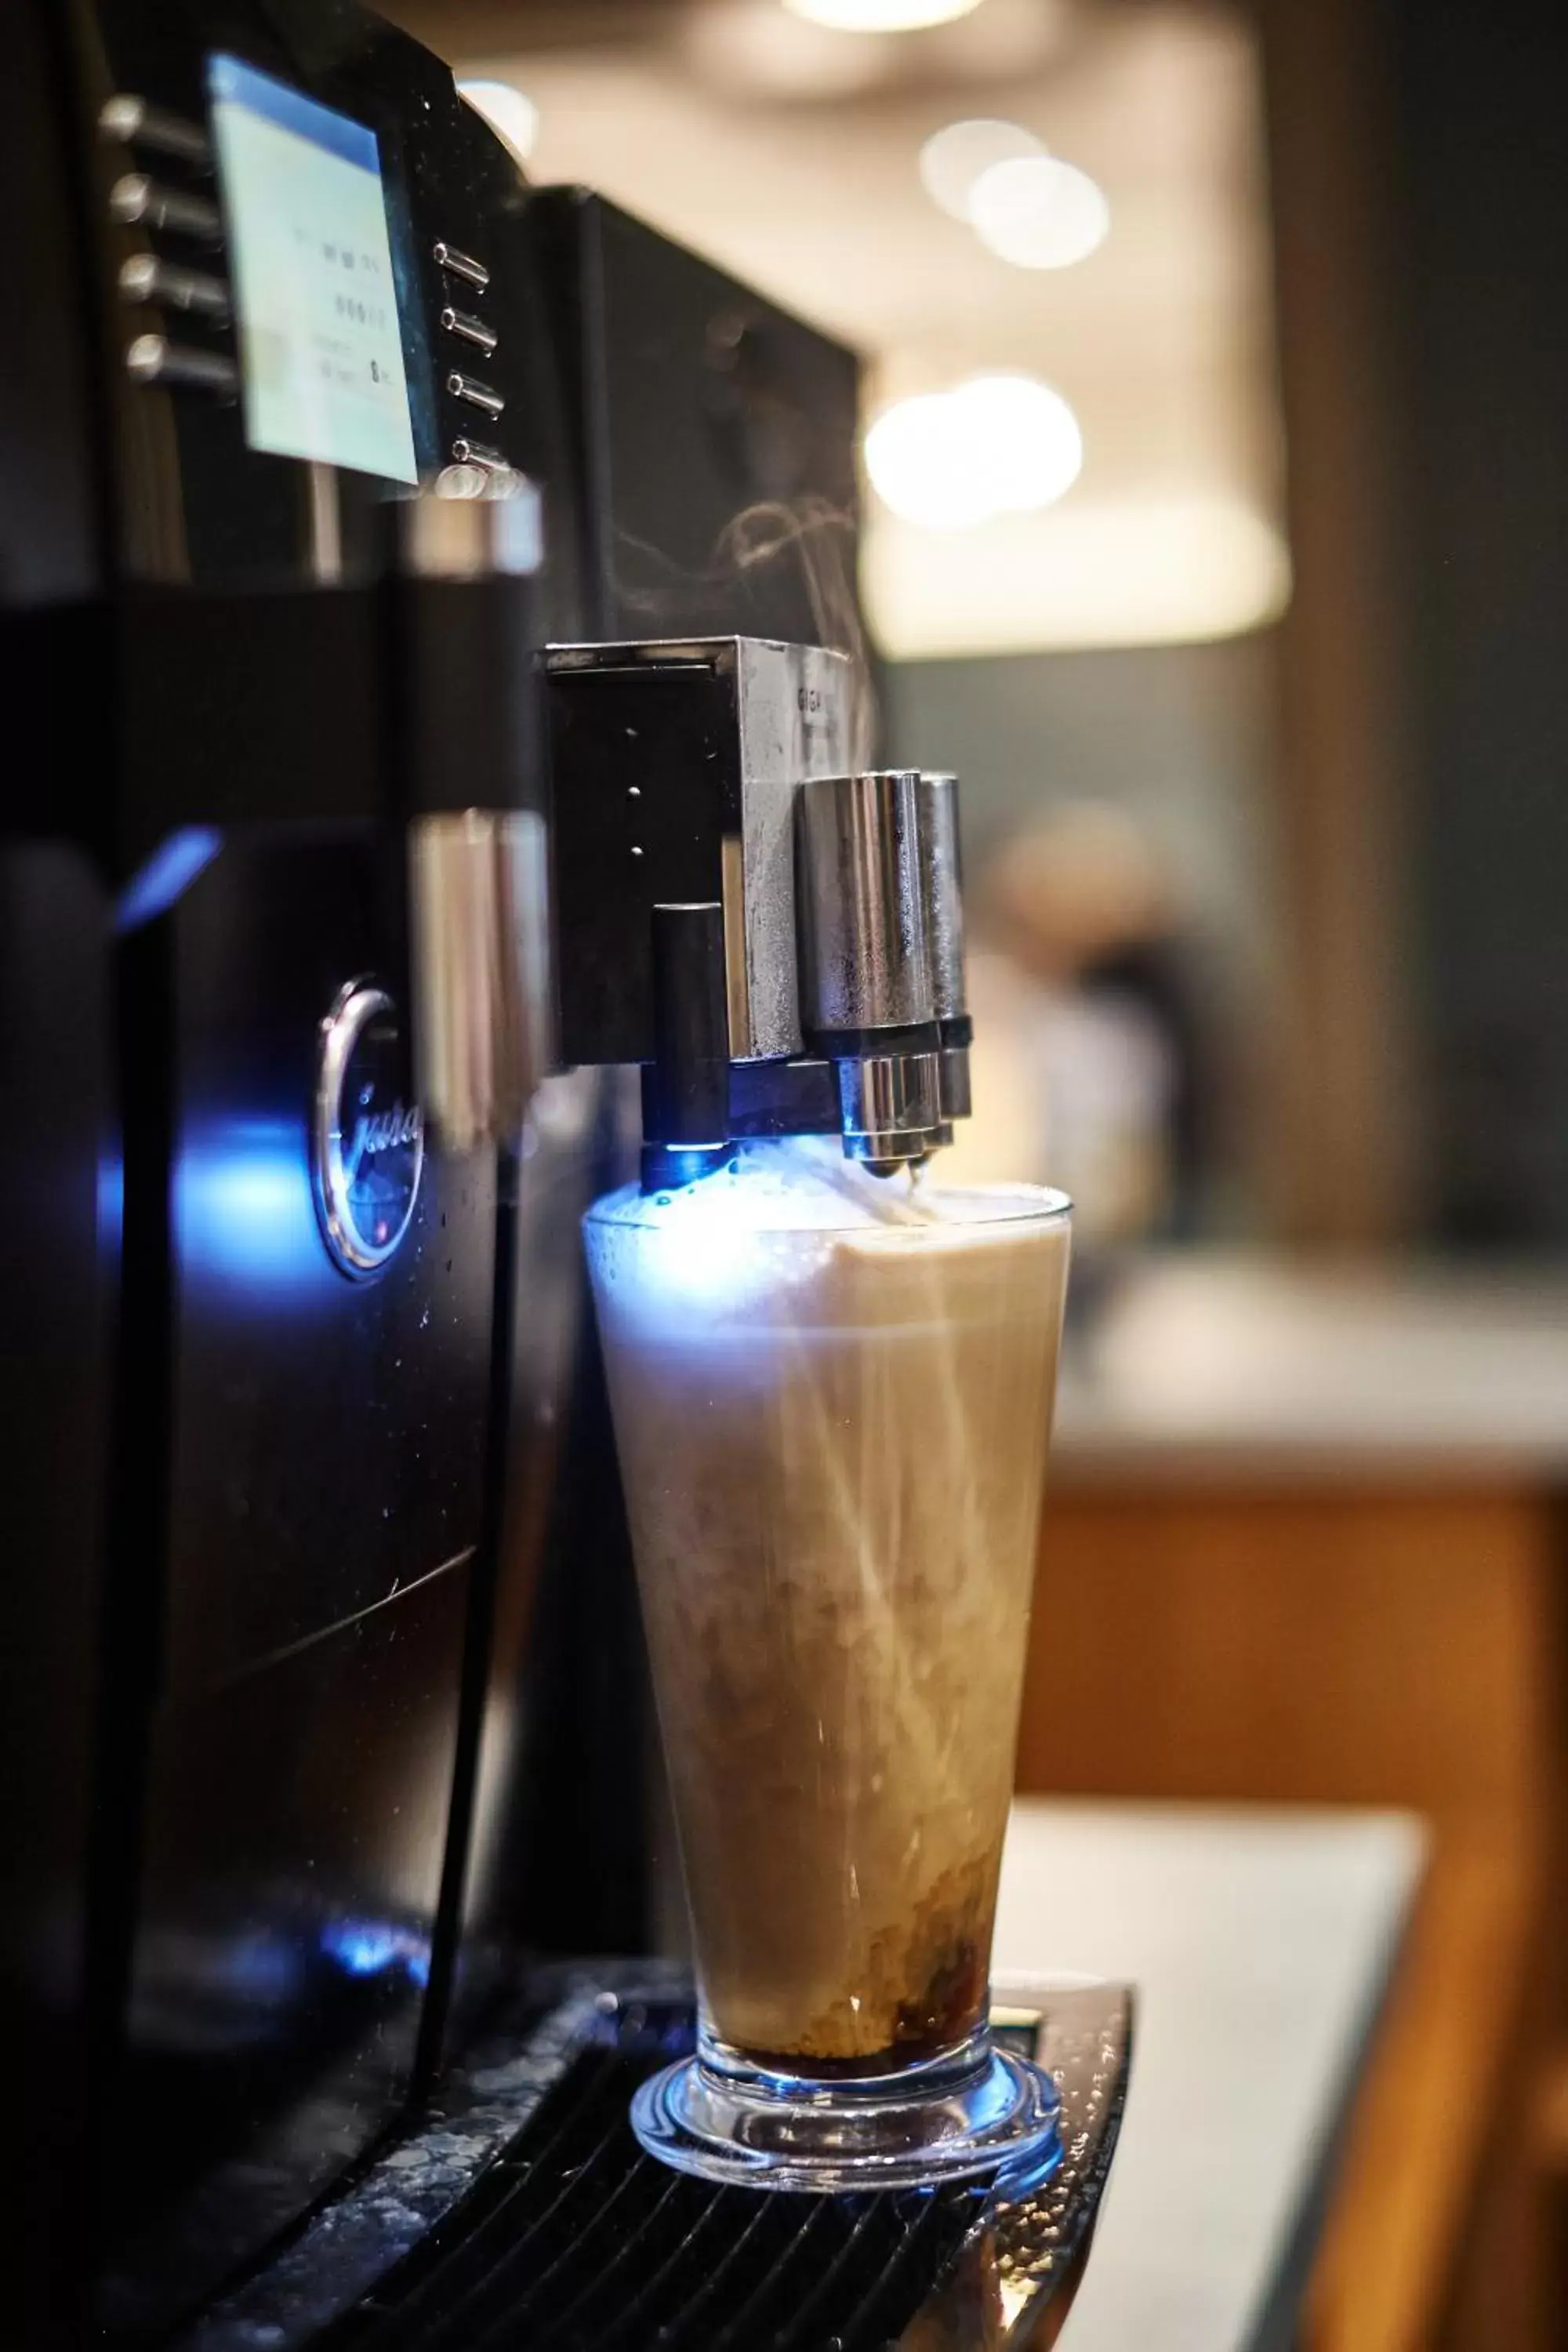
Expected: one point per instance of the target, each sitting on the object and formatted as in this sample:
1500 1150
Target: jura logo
369 1143
381 1132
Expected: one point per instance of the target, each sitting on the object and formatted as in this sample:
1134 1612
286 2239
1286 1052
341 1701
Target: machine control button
367 1140
470 329
139 201
457 263
144 277
155 360
477 394
476 452
130 122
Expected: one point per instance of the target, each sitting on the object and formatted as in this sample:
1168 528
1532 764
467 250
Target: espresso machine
434 683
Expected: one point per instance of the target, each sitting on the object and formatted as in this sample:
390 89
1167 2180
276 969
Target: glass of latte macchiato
832 1398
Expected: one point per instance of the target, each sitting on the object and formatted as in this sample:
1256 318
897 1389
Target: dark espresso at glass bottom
833 1400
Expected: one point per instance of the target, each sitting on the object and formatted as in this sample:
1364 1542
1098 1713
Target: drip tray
524 2217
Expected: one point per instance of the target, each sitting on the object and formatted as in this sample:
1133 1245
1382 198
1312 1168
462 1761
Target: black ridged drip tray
566 2238
576 2241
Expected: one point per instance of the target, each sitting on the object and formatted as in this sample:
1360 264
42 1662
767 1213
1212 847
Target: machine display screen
320 341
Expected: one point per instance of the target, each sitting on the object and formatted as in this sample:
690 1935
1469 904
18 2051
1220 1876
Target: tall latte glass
832 1399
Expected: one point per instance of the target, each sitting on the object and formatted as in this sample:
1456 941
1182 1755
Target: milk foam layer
832 1400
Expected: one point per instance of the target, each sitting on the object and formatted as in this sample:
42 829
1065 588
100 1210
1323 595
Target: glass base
974 2111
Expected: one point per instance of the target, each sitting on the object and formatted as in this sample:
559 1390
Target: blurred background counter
1260 1941
1305 1543
1248 1369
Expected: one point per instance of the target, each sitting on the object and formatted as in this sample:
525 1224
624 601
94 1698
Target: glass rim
1007 1205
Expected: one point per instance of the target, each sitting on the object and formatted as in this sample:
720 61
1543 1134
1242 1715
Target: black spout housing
740 909
686 1086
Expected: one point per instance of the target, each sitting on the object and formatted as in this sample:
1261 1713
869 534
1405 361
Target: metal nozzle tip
670 1167
885 1156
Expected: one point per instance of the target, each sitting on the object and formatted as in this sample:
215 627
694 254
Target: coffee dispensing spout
776 937
868 987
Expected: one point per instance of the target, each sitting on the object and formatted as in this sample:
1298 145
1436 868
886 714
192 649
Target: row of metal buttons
137 200
468 328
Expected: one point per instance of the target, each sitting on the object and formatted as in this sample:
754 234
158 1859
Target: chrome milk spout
868 983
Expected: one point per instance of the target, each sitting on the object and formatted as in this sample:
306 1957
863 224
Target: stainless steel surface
797 705
457 263
324 523
891 1106
865 960
477 394
480 520
131 121
941 888
468 330
154 360
340 1139
478 889
477 453
957 1099
137 200
146 277
942 891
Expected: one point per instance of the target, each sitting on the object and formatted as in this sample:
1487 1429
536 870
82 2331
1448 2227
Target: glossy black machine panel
324 1688
242 672
309 1584
715 437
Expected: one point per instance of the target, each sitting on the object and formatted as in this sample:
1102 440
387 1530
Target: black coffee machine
328 1754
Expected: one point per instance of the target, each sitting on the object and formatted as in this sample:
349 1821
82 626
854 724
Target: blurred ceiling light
513 117
1005 37
996 445
880 15
1175 570
1039 213
953 160
753 45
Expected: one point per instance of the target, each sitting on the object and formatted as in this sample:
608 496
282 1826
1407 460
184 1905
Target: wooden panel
1428 2120
1398 1648
1312 1646
1345 1042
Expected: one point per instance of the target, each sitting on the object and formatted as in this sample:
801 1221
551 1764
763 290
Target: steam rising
809 532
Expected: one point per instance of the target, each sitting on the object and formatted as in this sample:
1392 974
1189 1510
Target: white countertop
1260 1939
1207 1366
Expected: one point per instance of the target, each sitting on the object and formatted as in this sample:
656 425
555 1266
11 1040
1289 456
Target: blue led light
166 875
243 1203
372 1947
110 1200
360 1948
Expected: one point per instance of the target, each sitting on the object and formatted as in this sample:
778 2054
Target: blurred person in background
1091 1065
